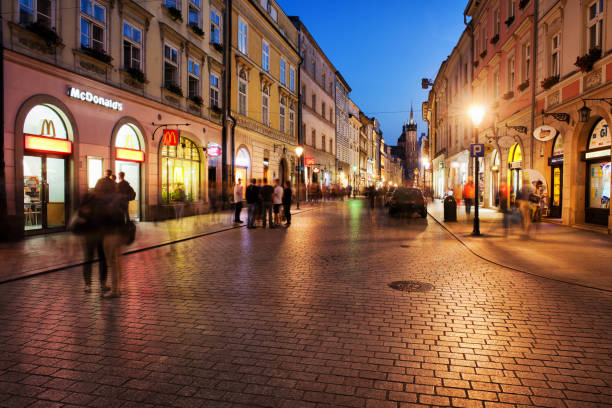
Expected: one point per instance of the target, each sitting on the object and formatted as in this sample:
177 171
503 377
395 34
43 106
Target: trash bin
450 209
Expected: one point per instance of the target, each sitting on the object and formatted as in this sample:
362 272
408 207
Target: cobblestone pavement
303 317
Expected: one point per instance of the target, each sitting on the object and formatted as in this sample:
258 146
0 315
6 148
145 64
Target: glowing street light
477 113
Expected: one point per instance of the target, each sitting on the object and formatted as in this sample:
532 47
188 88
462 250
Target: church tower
411 146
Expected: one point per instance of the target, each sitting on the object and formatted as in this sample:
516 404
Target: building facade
353 176
89 87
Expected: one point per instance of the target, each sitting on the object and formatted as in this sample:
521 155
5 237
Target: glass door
132 176
44 191
556 193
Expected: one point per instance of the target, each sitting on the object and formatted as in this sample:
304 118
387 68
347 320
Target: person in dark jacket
287 203
267 199
126 194
252 199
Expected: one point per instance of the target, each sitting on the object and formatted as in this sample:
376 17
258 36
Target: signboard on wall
170 137
544 133
309 161
213 149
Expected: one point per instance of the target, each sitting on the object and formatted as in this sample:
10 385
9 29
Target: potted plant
586 62
175 13
523 4
178 194
44 32
495 39
523 85
548 83
483 54
509 21
475 64
508 95
217 110
196 99
217 46
174 88
137 74
196 29
97 54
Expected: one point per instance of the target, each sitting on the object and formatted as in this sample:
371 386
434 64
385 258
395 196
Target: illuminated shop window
180 172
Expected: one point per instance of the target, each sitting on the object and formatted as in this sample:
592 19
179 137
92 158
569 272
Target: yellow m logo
50 126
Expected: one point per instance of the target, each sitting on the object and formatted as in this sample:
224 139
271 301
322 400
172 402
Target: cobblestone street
304 317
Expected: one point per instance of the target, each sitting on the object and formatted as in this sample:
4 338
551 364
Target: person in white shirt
238 189
278 200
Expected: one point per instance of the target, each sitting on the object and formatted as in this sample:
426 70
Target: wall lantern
584 113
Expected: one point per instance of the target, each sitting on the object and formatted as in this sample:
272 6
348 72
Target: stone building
343 150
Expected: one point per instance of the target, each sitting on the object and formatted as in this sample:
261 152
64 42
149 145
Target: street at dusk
252 318
290 203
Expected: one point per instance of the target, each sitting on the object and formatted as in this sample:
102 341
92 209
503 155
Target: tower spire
411 114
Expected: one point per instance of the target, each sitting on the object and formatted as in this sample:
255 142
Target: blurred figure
457 194
287 202
252 199
468 195
538 200
503 206
126 194
267 199
105 185
238 194
523 199
349 188
277 201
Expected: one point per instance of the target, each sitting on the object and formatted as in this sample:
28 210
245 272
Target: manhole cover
411 286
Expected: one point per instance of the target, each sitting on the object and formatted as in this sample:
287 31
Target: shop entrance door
516 183
132 176
556 195
44 191
241 173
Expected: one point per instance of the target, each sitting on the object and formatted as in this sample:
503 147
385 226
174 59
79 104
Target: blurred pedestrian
267 200
126 194
278 201
503 206
259 206
524 204
468 195
238 194
349 188
252 199
287 202
105 185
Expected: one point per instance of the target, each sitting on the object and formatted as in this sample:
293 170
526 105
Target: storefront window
599 196
127 138
180 172
558 146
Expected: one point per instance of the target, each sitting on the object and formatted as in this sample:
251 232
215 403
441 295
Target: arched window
180 172
516 155
127 137
43 120
600 136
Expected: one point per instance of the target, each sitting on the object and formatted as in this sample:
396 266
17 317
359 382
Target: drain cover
411 286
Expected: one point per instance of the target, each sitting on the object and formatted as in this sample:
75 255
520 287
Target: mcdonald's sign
46 141
170 137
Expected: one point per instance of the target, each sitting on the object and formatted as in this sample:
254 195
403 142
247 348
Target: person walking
468 195
126 194
238 194
524 204
287 202
252 199
277 200
267 199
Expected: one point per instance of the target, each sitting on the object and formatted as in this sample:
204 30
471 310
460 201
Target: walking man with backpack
126 194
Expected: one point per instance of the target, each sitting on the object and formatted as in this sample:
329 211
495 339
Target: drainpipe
3 198
229 122
301 136
534 52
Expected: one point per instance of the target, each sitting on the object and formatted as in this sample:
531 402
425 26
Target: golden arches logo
49 124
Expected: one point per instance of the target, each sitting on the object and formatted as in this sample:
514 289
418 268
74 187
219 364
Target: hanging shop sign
170 137
316 170
129 155
90 97
544 133
213 149
309 161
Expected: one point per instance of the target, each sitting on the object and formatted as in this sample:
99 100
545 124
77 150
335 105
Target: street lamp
299 150
477 114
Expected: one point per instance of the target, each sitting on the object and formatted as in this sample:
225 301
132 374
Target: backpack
131 194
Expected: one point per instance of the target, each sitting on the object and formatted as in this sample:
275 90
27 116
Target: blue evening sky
383 48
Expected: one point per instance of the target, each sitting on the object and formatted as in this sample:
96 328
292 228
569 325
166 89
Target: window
242 93
496 22
132 47
292 79
242 36
511 8
194 79
291 119
283 68
323 109
172 3
194 14
511 74
526 61
180 172
265 55
331 114
314 102
314 138
170 66
595 24
94 170
273 14
331 146
281 115
323 142
39 11
93 25
214 90
265 104
555 50
323 83
215 27
314 68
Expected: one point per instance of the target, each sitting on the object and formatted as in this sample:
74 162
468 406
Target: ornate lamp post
299 150
477 114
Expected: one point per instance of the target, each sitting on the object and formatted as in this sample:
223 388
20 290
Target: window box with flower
523 85
586 62
475 64
549 82
483 54
137 74
196 29
174 88
217 46
523 4
98 54
495 39
216 109
509 21
175 14
52 39
196 99
508 95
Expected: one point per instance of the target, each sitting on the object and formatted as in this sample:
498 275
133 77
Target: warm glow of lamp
477 114
299 150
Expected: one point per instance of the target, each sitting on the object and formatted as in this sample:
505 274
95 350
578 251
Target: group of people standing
104 223
263 200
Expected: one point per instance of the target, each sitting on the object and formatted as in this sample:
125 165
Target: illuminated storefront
515 171
556 169
495 165
180 172
129 157
597 157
